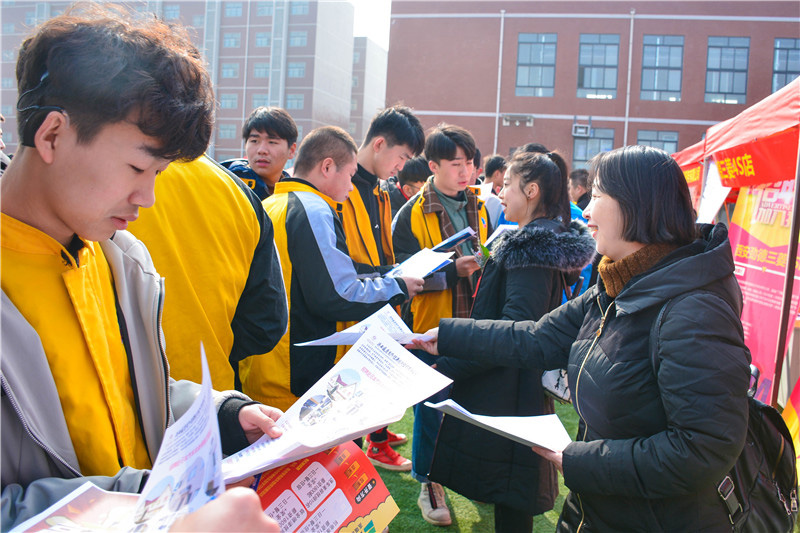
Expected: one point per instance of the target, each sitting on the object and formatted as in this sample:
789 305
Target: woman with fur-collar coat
523 279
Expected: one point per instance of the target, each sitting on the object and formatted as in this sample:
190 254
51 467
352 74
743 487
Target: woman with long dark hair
662 420
524 278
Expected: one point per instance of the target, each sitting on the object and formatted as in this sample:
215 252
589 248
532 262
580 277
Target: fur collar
538 245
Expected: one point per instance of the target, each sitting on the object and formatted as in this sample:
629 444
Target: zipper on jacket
583 515
586 358
27 428
159 303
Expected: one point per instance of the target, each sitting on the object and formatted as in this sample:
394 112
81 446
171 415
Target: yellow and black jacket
364 218
323 285
420 224
211 239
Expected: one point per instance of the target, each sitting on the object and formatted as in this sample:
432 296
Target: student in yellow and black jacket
395 135
210 238
323 283
444 206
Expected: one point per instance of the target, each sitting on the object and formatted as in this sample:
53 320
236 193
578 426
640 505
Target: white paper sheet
386 318
422 263
372 386
188 470
546 431
502 228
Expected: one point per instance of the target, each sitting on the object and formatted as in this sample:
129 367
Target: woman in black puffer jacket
523 279
654 440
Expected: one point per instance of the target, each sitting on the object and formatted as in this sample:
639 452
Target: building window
260 100
536 64
356 56
295 101
585 148
30 18
726 70
353 104
233 9
299 7
355 82
666 140
228 101
199 21
9 55
8 83
261 70
262 39
597 65
786 63
230 70
172 11
227 131
7 111
351 129
264 9
232 40
662 67
8 27
296 70
298 38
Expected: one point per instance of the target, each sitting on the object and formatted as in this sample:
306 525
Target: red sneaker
395 439
383 456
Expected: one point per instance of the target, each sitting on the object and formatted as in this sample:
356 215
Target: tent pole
788 285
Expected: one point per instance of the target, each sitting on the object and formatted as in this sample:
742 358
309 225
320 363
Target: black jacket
523 280
650 449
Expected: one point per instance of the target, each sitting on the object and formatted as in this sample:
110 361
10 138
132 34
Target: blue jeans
426 427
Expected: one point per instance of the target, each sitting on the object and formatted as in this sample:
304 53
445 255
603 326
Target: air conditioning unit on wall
581 130
518 120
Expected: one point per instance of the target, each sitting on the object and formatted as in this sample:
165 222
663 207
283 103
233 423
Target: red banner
766 160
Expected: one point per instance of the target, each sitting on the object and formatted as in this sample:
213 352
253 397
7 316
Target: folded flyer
422 264
455 240
386 318
545 431
370 387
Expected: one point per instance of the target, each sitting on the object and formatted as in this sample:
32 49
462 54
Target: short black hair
445 139
476 159
531 148
495 163
321 143
652 194
398 125
274 121
580 177
415 170
103 65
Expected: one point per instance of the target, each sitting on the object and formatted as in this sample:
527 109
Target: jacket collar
288 185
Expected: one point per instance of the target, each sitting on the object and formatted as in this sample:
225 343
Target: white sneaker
433 505
555 385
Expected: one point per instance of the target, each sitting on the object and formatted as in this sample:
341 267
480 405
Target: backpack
760 491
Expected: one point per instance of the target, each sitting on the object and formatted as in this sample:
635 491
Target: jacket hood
545 243
703 262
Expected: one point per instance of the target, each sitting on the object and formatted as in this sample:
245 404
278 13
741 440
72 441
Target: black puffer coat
650 449
523 280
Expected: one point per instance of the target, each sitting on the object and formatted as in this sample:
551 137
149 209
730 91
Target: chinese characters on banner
759 235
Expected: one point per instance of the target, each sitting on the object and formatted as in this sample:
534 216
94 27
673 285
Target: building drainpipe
499 77
628 90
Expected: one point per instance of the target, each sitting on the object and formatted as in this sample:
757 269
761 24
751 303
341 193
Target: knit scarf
616 274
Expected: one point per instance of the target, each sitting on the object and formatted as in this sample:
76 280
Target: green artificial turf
468 516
